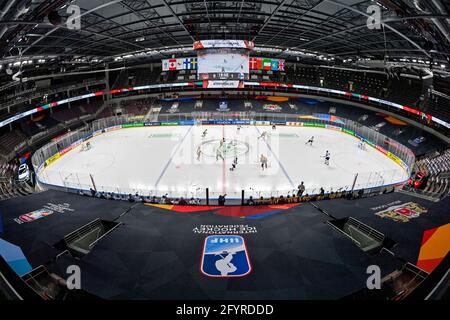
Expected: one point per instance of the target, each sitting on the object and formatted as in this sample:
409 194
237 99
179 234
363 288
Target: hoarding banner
209 44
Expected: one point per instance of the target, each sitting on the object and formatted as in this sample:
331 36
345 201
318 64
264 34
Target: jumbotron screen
223 60
223 64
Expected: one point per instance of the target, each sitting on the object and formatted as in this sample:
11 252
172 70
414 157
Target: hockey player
274 127
199 153
327 158
263 161
263 135
310 141
234 164
361 144
219 154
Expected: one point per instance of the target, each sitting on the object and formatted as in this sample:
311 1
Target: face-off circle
230 148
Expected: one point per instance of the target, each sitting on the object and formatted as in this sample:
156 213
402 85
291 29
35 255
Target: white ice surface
160 160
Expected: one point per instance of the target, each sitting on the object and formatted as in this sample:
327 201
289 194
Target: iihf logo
225 256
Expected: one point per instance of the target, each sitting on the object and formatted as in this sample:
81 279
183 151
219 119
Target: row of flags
266 64
192 63
179 64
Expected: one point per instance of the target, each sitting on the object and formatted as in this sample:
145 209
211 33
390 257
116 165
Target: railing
369 181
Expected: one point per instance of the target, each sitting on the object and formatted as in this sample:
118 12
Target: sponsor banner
381 149
278 122
394 157
76 143
239 44
298 124
331 127
225 256
222 121
443 123
170 123
52 159
230 84
98 132
133 125
348 131
242 122
151 124
113 128
370 143
312 124
186 122
65 150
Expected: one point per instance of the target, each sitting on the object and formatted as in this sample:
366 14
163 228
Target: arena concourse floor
295 254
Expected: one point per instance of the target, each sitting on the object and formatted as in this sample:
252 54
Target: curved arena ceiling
118 27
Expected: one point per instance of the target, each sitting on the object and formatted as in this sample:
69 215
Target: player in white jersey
362 144
263 135
219 154
263 161
310 141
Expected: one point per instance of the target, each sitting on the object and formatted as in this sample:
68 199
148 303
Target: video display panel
223 64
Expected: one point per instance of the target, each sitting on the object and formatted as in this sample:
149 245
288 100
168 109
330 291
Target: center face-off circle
229 149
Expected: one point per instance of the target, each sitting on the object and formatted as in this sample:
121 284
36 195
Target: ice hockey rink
182 162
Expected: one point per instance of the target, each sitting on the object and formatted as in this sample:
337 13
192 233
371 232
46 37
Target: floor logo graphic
225 256
46 211
403 212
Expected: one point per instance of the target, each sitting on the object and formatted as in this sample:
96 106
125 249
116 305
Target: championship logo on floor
403 212
225 256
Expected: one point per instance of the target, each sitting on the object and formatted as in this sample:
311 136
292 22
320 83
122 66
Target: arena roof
118 27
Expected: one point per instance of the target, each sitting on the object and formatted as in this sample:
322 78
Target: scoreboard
223 59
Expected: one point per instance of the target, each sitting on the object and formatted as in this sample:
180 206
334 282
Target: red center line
224 171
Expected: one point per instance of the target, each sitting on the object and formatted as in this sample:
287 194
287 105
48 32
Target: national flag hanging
180 64
193 63
172 64
274 65
281 65
187 63
253 63
165 66
267 64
